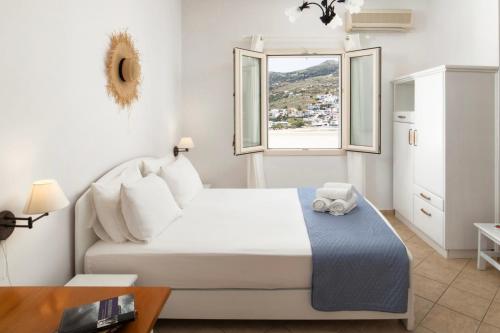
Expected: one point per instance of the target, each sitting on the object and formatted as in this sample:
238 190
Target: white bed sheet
227 238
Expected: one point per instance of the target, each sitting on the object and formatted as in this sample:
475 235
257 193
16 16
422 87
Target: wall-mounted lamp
185 144
46 196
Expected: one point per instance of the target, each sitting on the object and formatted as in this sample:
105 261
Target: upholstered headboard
85 214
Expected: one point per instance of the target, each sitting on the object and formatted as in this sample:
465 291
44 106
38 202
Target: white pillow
153 165
183 180
107 205
100 232
148 207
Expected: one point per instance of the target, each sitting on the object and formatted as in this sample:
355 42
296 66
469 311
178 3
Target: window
307 102
304 102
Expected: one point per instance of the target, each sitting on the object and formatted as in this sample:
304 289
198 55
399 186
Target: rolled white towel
334 193
342 207
338 185
321 204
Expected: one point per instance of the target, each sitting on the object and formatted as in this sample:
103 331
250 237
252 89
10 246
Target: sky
290 64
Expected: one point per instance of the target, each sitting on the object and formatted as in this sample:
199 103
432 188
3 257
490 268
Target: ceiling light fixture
328 10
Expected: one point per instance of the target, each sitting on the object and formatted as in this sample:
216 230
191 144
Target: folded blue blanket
359 264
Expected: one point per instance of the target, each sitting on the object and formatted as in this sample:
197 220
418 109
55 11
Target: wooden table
39 309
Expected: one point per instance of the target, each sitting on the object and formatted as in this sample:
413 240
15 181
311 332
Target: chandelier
328 15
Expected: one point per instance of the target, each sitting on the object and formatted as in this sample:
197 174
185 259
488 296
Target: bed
228 257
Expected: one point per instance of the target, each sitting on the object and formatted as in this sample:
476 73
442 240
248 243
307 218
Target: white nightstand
207 185
102 280
487 231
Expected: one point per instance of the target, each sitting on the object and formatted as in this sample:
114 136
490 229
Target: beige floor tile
428 288
490 276
485 328
493 315
419 249
443 320
421 329
465 302
484 289
497 298
422 307
440 269
404 232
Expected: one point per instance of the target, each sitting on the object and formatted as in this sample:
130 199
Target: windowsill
304 152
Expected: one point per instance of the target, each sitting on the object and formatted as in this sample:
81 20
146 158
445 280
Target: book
104 315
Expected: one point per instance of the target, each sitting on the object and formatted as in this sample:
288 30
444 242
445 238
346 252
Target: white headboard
85 214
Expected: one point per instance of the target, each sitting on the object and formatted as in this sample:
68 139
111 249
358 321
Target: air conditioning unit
379 20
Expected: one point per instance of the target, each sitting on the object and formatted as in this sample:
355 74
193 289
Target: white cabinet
429 149
403 169
447 163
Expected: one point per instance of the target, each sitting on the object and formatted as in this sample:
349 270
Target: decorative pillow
100 232
183 180
107 205
148 207
153 165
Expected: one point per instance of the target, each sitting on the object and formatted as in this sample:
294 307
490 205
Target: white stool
102 280
487 231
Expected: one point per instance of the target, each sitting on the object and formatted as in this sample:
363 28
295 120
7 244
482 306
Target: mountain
325 68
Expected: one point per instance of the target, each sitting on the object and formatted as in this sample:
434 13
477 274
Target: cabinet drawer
403 116
428 219
428 197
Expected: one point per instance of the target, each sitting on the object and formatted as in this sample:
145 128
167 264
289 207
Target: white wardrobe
444 154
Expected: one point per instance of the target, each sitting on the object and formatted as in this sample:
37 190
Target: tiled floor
451 297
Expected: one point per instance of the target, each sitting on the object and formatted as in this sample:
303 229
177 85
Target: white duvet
226 238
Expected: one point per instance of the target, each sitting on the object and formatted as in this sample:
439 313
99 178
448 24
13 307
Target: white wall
446 32
57 120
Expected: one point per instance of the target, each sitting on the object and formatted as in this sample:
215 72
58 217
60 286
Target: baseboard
388 211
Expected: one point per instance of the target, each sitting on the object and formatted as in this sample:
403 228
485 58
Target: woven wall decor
123 69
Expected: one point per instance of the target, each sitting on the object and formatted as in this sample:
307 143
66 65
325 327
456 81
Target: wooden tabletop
39 309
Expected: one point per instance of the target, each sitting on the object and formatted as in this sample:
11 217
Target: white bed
234 254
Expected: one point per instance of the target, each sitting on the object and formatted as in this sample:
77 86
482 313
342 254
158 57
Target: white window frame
238 121
376 116
345 102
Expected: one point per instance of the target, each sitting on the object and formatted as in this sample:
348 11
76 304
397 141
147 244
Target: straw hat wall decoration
123 69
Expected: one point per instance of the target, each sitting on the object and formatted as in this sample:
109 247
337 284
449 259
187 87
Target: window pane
251 103
304 102
361 101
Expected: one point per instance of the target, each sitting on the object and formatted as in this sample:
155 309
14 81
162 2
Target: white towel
338 185
321 204
342 207
334 193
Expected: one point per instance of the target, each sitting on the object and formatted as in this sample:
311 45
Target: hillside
299 88
325 68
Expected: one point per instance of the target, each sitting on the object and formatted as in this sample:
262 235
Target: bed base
259 304
247 304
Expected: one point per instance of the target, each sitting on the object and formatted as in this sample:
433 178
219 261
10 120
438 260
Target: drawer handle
402 117
426 197
425 212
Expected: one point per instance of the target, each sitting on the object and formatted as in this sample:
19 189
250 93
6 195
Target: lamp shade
186 143
46 196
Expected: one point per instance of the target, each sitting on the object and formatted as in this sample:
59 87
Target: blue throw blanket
358 262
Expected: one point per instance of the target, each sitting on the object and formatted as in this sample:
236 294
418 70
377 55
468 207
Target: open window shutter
249 101
362 100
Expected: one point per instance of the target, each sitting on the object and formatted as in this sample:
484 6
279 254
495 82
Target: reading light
46 196
185 144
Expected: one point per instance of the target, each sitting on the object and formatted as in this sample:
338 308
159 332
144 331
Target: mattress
226 239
